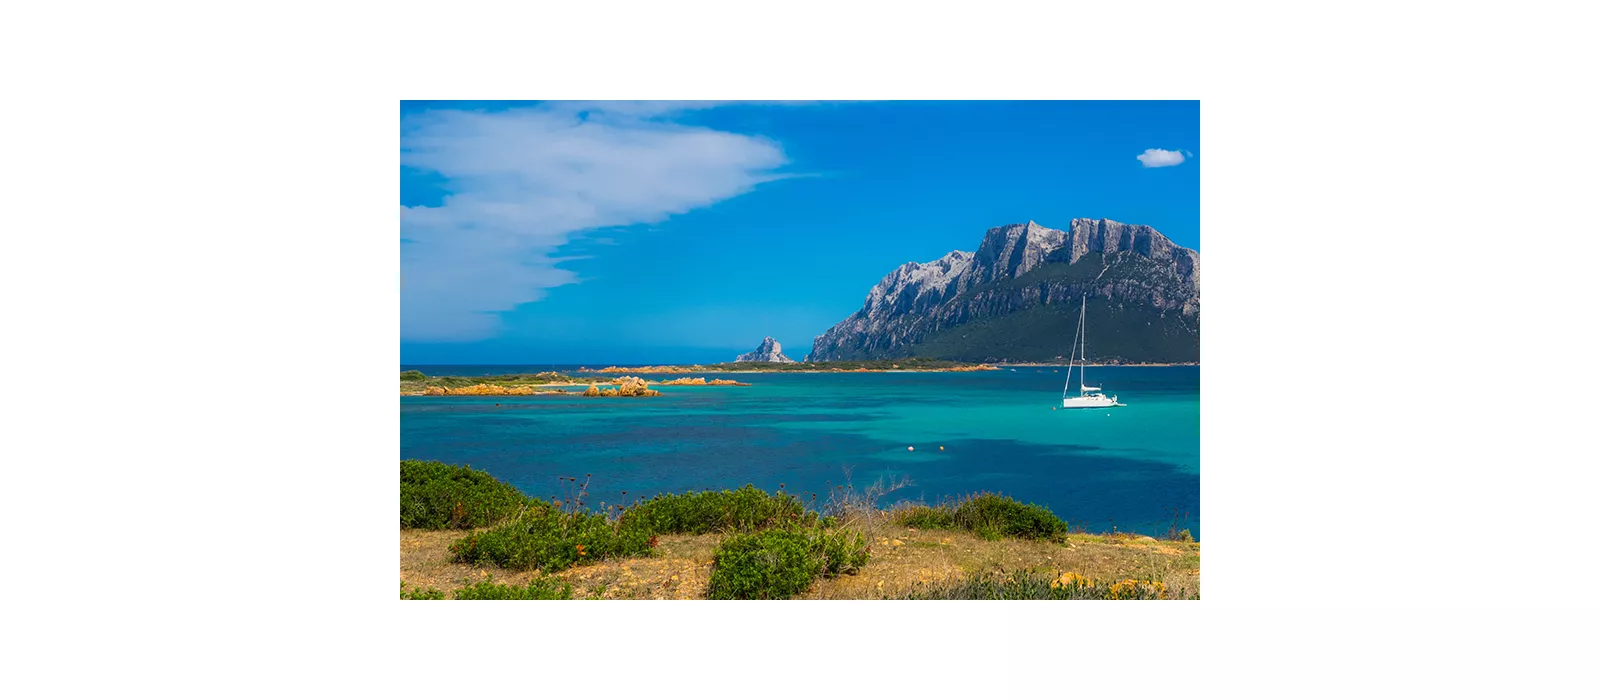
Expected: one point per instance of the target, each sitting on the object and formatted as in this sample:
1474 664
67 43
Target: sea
1134 468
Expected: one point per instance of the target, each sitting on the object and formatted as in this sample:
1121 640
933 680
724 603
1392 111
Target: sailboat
1088 396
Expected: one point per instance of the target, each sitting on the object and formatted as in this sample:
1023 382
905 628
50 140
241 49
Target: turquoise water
1135 468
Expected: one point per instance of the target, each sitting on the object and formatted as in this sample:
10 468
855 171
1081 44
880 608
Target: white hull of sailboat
1090 401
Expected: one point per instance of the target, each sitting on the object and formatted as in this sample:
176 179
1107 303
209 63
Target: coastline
704 369
1096 364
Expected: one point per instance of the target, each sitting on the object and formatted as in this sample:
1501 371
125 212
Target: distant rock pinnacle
768 351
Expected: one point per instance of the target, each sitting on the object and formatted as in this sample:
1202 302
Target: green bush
412 375
418 593
552 540
841 551
439 496
538 589
1032 585
780 563
993 516
924 517
744 510
764 565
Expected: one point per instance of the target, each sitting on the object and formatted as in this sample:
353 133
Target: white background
200 290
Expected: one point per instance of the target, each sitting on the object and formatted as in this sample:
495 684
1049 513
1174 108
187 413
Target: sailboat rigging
1088 396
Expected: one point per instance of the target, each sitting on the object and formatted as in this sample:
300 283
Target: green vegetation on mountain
1120 333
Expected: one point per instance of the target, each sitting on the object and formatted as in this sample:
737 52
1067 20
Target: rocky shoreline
678 369
623 386
702 381
1100 364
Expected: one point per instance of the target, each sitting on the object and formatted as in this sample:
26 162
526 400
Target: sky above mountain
629 232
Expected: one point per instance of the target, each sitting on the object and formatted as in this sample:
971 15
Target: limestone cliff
1017 298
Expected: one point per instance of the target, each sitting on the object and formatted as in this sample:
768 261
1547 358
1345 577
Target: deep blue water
1135 468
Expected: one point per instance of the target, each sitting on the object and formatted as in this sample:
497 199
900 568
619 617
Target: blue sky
628 232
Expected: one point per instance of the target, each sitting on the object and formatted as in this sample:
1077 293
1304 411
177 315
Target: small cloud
1158 158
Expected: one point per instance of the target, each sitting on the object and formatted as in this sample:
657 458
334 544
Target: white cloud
523 182
1158 158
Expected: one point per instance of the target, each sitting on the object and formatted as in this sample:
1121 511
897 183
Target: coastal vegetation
990 516
742 510
751 543
415 383
537 589
540 588
907 364
781 563
552 540
439 496
1035 585
409 379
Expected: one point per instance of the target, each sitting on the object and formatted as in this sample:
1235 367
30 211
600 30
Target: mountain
1017 299
768 351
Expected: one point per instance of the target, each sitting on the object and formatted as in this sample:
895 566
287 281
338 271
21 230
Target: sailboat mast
1083 335
1070 354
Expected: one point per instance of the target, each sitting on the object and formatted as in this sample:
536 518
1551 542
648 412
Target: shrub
993 516
764 565
412 375
744 510
438 496
553 540
418 593
1032 585
538 589
780 563
841 551
1181 536
990 515
924 517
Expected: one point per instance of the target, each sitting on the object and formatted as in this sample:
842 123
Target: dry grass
680 570
902 558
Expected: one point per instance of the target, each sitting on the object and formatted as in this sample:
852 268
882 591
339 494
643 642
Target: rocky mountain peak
768 351
1133 267
1012 250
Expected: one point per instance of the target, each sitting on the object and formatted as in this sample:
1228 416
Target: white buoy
910 448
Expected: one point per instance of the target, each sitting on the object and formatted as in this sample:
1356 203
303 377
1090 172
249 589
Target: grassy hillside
750 543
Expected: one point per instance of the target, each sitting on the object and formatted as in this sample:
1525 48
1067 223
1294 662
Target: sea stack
768 351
